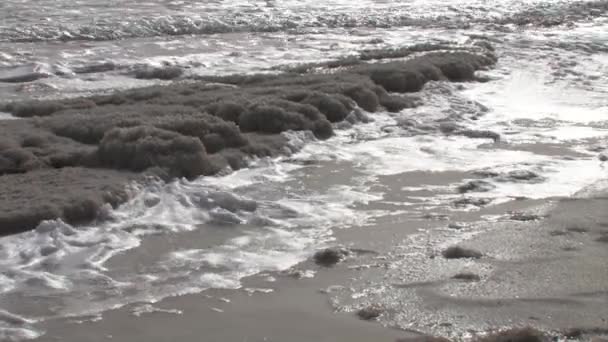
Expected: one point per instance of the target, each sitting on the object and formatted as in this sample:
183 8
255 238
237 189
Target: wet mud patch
371 312
330 256
467 276
476 186
577 229
471 201
424 339
516 335
525 216
586 332
457 252
603 238
162 73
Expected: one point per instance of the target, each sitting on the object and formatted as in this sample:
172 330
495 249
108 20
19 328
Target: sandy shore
304 171
543 265
296 310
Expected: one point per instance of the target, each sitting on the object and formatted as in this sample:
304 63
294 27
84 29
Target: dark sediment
511 335
577 229
457 252
467 276
476 186
471 201
480 134
522 175
581 332
370 312
95 68
515 176
520 216
74 150
424 339
603 238
330 256
517 335
165 73
72 194
456 225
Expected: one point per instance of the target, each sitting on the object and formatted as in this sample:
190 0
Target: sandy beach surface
543 266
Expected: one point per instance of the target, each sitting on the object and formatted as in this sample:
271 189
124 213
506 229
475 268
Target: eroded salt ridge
192 129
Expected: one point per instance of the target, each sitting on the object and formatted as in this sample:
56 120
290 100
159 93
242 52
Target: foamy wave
185 25
289 17
239 227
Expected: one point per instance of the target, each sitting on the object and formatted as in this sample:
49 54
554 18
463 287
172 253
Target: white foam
529 94
559 180
71 262
143 309
260 171
7 116
394 155
556 181
17 334
214 280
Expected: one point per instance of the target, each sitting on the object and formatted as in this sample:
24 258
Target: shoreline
304 171
511 258
279 306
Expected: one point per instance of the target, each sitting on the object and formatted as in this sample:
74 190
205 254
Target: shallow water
546 98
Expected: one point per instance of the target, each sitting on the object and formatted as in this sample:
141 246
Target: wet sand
542 265
297 310
548 272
